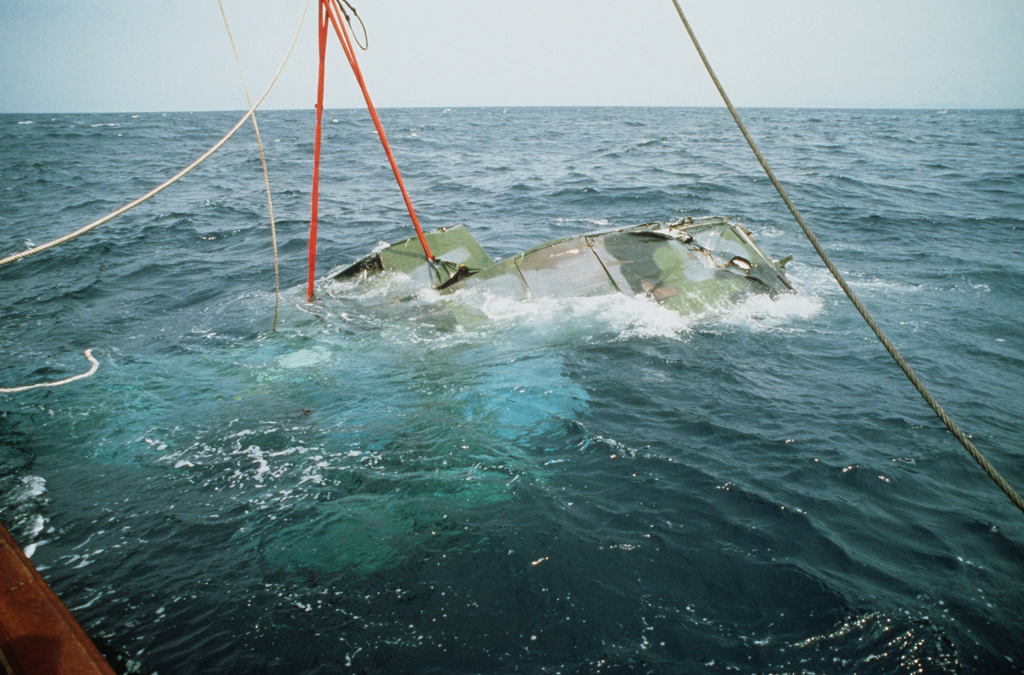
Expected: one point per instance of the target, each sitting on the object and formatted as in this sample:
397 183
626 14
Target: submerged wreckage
689 265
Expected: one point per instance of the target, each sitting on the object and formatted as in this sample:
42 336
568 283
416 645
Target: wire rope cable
263 161
170 181
875 328
341 4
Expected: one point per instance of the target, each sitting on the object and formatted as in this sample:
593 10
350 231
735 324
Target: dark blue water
451 485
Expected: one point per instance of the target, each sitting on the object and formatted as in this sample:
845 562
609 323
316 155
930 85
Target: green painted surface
452 247
690 265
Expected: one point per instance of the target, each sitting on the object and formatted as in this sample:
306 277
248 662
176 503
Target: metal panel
566 269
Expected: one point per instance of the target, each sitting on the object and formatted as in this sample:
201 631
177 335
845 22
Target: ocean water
474 485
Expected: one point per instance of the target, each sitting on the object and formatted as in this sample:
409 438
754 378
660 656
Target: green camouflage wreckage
690 265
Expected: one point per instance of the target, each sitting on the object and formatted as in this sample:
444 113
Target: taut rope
875 328
263 161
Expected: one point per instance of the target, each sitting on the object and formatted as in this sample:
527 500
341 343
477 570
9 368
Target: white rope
263 161
202 158
89 373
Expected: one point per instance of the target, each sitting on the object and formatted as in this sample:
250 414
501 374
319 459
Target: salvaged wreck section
689 265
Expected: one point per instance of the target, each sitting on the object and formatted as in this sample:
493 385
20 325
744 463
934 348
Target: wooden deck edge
37 632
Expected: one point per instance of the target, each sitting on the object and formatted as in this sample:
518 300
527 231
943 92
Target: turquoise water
470 484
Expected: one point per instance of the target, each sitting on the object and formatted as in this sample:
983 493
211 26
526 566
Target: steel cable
875 328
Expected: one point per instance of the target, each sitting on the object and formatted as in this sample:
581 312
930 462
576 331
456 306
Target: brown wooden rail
38 635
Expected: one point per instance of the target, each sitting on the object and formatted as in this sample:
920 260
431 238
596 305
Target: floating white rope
59 383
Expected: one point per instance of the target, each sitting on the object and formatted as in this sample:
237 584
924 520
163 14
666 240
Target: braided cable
875 328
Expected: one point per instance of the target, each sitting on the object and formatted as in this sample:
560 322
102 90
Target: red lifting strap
327 10
322 32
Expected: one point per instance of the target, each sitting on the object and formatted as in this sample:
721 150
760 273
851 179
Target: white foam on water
624 317
762 312
37 527
38 524
35 486
621 315
159 446
386 285
304 358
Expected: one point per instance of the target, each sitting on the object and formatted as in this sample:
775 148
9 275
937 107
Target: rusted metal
38 635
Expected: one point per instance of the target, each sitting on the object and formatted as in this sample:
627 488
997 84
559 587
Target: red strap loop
327 12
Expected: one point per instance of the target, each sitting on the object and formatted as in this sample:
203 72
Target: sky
170 55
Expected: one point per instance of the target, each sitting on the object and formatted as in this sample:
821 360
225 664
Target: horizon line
908 108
